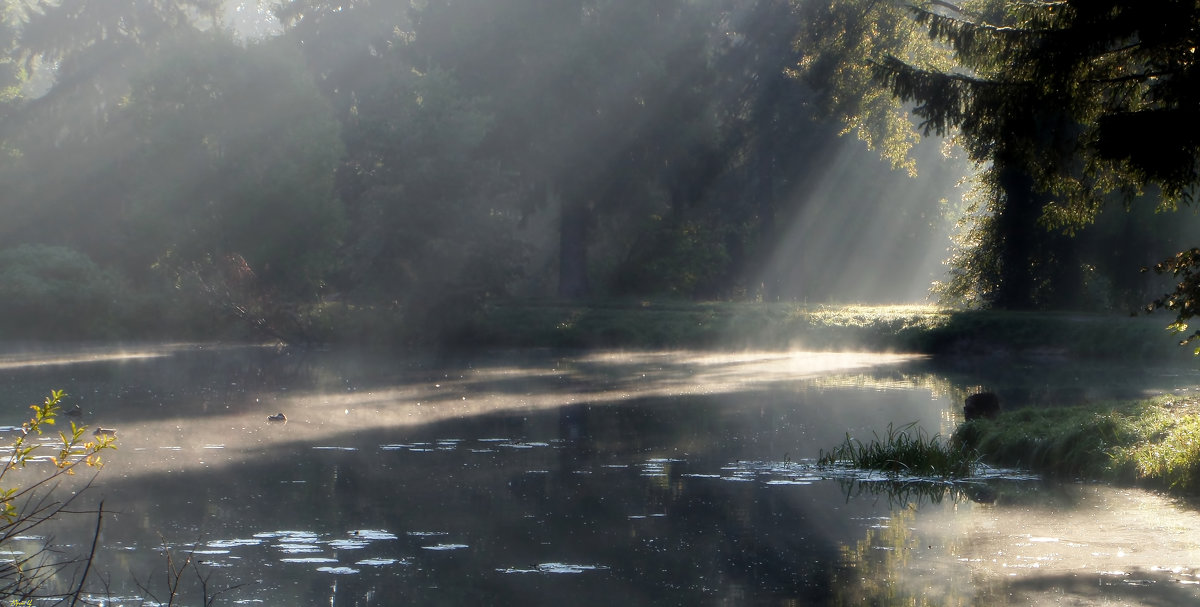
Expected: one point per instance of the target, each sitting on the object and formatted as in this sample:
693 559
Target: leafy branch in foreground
1185 268
907 450
23 508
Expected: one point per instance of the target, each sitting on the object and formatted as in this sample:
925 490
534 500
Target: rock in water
985 405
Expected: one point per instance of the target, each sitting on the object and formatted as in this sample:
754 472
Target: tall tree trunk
572 246
1019 230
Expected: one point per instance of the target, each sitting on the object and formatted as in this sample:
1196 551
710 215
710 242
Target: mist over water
541 477
177 173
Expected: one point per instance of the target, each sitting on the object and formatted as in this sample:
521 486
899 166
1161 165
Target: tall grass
907 450
1154 442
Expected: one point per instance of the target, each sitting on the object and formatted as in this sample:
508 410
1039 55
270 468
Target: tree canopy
1066 105
428 157
1089 96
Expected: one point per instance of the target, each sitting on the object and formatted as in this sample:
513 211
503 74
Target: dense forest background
162 160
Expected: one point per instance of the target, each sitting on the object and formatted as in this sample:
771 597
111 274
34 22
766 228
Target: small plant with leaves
24 507
907 450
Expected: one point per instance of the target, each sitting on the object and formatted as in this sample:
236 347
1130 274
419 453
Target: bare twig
91 555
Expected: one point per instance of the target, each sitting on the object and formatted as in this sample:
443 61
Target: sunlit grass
908 450
926 329
1154 442
674 324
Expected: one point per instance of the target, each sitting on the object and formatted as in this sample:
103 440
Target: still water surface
551 478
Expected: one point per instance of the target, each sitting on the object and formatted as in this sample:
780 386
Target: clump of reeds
908 450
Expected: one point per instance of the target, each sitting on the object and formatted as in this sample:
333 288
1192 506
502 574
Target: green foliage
1152 442
12 75
842 43
907 450
426 225
32 503
1066 104
688 259
236 158
54 291
1112 71
1185 299
917 329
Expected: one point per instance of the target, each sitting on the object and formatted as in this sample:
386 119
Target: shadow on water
487 520
552 478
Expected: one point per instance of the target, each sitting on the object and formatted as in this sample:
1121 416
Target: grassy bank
1153 443
909 328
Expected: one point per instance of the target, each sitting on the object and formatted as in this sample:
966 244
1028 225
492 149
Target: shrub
54 291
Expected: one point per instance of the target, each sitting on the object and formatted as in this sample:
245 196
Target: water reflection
543 477
1037 545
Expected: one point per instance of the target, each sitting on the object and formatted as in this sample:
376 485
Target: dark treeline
165 158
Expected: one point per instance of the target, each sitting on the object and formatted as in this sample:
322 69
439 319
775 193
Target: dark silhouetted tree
1065 103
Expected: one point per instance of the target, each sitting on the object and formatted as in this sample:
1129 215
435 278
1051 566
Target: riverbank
1154 443
921 329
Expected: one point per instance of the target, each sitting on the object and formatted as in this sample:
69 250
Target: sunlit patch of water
517 450
338 570
288 536
348 544
116 601
554 568
807 472
308 559
380 562
658 467
296 548
98 355
373 534
234 543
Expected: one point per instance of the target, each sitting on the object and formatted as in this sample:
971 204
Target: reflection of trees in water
879 570
916 493
939 386
910 559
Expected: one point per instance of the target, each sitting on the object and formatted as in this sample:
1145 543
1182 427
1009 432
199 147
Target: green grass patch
659 324
908 328
907 450
1153 442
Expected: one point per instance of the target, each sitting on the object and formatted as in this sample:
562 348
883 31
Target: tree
431 215
77 58
55 292
11 73
591 105
234 157
1065 103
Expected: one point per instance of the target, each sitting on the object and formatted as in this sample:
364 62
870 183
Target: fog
169 159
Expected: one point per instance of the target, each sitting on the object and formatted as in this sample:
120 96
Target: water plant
906 450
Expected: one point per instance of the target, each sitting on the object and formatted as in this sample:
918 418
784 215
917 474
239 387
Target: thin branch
91 554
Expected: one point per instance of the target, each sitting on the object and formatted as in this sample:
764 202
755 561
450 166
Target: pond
582 478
